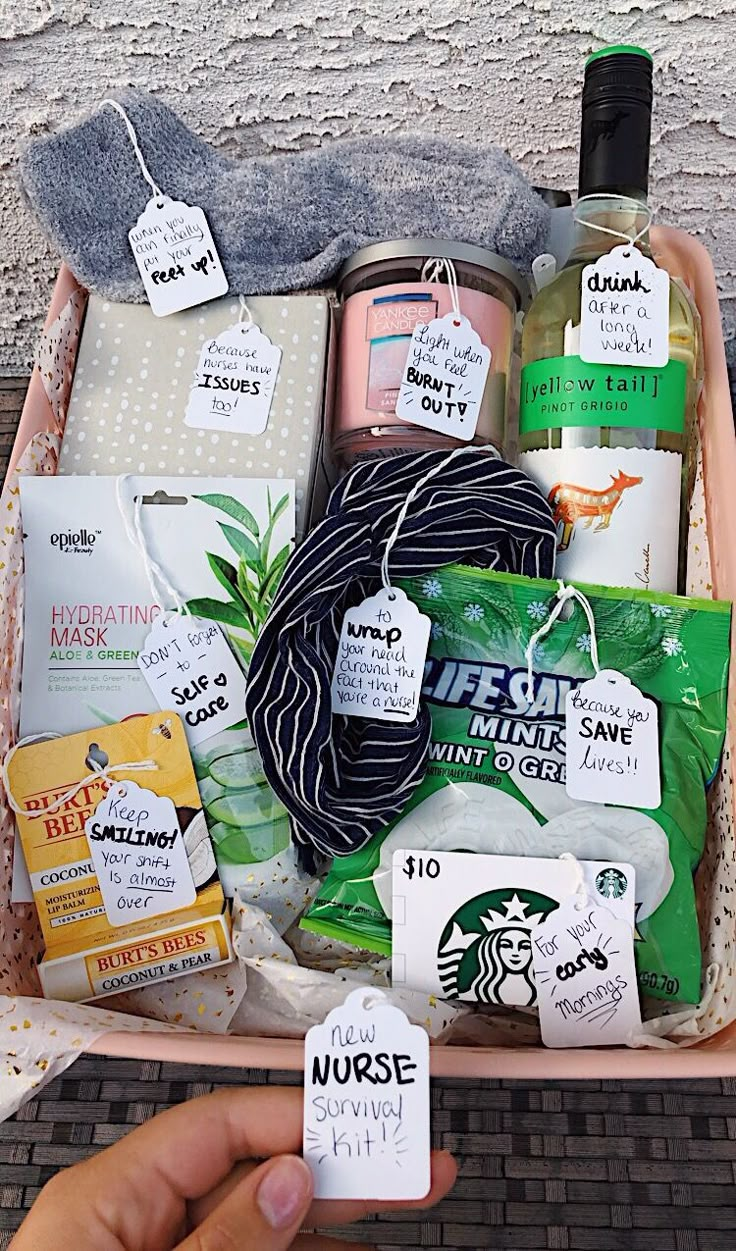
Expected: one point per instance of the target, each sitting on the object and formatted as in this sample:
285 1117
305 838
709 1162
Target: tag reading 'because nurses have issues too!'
176 256
138 851
366 1102
189 666
444 377
234 382
380 659
585 974
625 310
612 743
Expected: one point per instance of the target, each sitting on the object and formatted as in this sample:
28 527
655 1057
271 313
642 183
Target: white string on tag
155 574
637 207
98 771
113 104
580 888
244 311
431 271
564 595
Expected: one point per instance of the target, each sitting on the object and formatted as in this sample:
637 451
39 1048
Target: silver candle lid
424 249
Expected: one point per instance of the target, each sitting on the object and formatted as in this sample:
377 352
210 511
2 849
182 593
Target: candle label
612 743
189 666
584 969
366 1102
176 256
444 377
138 852
380 659
234 382
625 310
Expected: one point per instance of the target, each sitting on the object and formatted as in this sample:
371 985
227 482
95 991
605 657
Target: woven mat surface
574 1166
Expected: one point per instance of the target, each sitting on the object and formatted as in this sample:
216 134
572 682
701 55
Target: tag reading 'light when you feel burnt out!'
176 256
380 658
366 1102
444 377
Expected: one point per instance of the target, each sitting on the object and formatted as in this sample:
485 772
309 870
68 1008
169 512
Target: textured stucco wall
261 75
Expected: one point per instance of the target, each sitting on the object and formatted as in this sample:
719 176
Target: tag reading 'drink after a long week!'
380 658
138 851
585 974
176 256
366 1102
612 743
234 382
444 377
625 311
189 666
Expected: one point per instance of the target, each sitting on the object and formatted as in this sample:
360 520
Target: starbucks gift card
464 924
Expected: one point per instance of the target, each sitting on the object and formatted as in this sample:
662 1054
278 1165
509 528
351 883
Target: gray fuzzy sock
280 222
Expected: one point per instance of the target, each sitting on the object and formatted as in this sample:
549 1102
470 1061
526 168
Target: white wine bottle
611 360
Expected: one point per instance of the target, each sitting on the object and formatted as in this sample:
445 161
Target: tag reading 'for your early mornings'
585 974
444 377
176 256
189 666
366 1102
380 659
138 851
612 743
234 382
625 310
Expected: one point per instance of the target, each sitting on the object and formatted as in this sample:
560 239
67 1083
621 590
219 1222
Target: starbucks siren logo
611 883
485 951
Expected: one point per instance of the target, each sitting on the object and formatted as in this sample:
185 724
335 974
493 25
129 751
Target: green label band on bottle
564 391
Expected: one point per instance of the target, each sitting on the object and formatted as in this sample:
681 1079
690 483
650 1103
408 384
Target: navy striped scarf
342 779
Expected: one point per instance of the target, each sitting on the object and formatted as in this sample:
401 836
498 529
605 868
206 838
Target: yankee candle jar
383 298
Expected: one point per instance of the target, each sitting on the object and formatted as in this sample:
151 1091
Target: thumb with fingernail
263 1213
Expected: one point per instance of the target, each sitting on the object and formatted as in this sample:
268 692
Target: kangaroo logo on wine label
485 950
571 503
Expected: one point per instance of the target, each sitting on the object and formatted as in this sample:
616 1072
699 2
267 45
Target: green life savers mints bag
496 778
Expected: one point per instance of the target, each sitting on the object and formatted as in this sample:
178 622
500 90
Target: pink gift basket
699 1042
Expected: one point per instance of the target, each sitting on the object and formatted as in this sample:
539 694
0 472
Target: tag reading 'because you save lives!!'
139 854
612 743
234 381
366 1102
380 658
585 974
189 666
176 256
625 310
444 377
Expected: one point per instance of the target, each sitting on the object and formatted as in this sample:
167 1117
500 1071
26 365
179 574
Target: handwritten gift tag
234 381
138 852
366 1102
380 658
176 256
189 666
625 310
444 377
612 743
584 969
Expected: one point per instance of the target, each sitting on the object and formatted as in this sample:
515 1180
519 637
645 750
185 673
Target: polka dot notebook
132 381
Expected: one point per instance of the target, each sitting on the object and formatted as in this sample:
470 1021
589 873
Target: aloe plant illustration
246 821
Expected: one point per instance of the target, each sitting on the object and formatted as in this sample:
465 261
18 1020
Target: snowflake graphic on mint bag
437 630
583 642
474 612
537 610
432 588
671 647
660 610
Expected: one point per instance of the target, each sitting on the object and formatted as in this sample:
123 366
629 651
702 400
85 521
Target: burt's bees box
120 861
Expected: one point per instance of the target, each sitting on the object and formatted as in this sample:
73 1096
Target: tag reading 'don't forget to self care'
380 658
585 974
612 743
366 1102
176 256
625 310
189 666
444 377
138 851
234 381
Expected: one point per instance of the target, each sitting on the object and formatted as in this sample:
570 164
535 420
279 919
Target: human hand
189 1180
